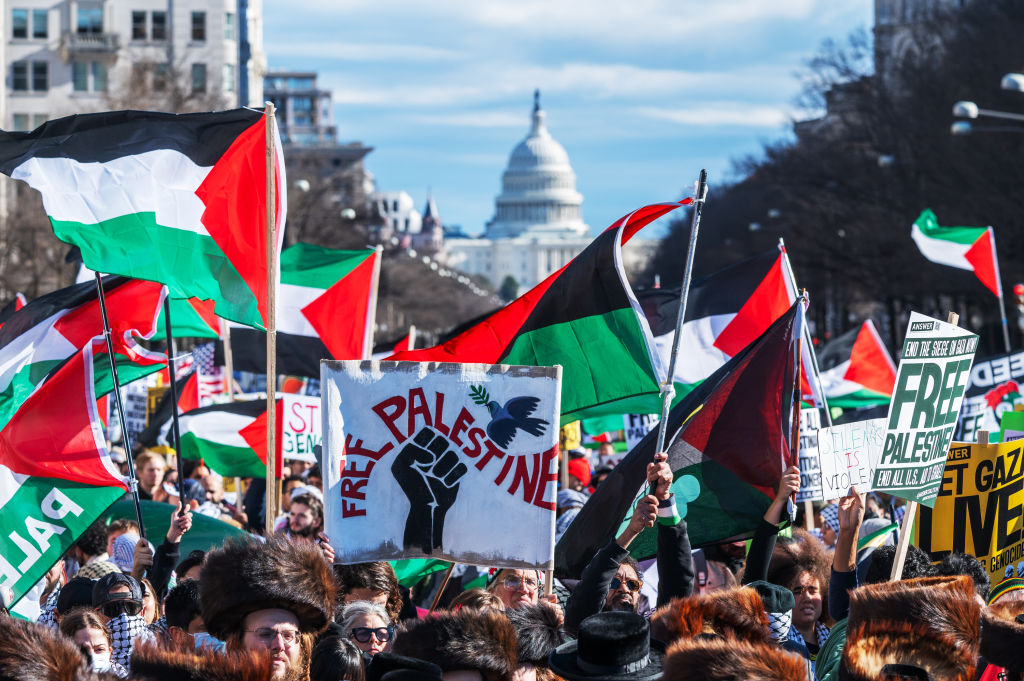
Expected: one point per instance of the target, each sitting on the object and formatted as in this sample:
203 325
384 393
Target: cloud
721 114
472 119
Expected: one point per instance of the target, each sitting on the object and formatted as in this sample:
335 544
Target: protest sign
978 509
301 430
810 471
441 460
1011 426
846 452
994 388
933 373
637 427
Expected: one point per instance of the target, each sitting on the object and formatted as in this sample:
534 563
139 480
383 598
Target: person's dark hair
82 618
93 541
963 564
336 658
314 504
190 466
122 525
631 561
795 556
880 567
182 604
191 560
313 472
292 478
377 576
538 632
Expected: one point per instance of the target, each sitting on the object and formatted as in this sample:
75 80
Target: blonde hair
477 599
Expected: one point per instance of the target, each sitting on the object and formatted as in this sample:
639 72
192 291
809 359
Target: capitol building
538 223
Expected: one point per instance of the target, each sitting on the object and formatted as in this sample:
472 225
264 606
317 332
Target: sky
642 94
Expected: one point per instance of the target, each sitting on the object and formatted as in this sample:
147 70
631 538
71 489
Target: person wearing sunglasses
367 625
117 599
612 581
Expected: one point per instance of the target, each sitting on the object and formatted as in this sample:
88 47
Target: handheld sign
930 383
441 460
301 429
993 390
846 452
810 470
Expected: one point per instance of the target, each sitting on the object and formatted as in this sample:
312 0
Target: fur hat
244 576
32 651
464 640
932 623
1002 635
722 660
733 613
151 662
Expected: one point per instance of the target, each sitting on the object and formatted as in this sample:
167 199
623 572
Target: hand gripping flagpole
175 430
272 498
667 389
133 481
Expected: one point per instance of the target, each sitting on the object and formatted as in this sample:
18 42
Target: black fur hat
244 576
31 651
1002 635
464 640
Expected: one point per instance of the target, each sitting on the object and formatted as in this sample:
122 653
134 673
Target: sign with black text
846 452
810 469
993 390
301 429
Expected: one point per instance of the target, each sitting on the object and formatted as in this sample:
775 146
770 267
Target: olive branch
479 394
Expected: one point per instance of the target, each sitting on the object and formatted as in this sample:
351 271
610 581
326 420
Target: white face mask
100 663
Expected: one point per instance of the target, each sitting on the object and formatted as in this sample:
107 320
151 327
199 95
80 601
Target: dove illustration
515 415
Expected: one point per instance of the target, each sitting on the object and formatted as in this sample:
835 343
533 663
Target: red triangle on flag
188 395
204 308
255 435
870 364
340 314
982 257
769 301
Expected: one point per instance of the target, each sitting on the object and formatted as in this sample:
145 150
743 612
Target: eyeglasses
631 584
382 634
518 583
266 635
115 608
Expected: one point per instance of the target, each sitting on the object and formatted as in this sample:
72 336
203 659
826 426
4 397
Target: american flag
211 376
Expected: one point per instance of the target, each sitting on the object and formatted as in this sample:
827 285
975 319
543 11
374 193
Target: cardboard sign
846 452
810 470
993 390
978 509
1011 426
450 461
637 426
930 383
302 427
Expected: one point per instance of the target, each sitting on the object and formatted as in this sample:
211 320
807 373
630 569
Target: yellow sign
571 436
979 508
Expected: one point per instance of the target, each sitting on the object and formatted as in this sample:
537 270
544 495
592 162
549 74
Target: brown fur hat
1002 635
244 576
931 622
31 651
720 660
151 662
484 641
734 614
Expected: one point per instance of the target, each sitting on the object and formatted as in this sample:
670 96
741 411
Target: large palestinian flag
46 332
325 309
230 438
728 443
725 312
56 476
857 370
584 317
178 199
966 248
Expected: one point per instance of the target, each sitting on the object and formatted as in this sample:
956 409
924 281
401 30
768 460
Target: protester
183 612
375 582
721 660
150 604
611 646
477 599
336 659
599 476
77 593
483 644
150 468
85 628
963 564
117 599
368 626
579 473
568 503
90 547
519 588
118 527
538 634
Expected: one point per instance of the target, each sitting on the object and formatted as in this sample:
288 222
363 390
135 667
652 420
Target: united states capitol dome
539 196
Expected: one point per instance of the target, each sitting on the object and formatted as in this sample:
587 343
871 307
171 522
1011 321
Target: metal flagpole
371 314
176 432
272 499
133 481
667 389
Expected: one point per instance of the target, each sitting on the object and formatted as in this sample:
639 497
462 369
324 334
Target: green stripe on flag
929 226
317 267
411 571
229 461
877 537
21 385
858 399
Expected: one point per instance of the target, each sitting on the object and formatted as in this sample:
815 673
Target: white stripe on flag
9 484
698 357
41 343
942 251
217 426
290 301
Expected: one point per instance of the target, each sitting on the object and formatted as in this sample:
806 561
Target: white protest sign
934 369
846 452
810 474
637 426
441 460
302 427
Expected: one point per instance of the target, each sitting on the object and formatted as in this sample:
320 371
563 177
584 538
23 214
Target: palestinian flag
10 308
52 328
725 312
388 348
325 309
178 199
56 476
856 369
728 443
584 317
230 438
966 248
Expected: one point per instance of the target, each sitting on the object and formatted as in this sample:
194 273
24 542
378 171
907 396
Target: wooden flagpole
272 498
908 515
133 481
412 336
371 314
173 380
440 591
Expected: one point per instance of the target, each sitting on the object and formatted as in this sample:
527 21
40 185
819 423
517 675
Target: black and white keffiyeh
779 625
124 630
46 617
820 632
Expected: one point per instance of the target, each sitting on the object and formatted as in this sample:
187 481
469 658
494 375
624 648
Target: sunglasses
382 634
631 584
116 608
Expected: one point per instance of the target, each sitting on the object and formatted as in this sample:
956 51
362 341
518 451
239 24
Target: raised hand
659 476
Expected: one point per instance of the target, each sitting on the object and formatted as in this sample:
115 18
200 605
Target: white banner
441 460
302 427
846 452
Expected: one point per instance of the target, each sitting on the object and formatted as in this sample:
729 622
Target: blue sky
641 94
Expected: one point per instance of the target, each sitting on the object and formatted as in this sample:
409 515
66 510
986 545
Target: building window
40 76
138 25
159 20
99 76
198 78
159 77
90 20
19 76
229 26
199 26
19 23
40 20
39 119
80 76
229 77
20 122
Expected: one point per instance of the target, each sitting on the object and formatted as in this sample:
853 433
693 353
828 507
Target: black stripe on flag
296 355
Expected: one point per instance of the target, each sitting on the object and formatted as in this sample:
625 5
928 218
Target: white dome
539 194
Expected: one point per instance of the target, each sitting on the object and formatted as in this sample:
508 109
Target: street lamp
1013 82
971 110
